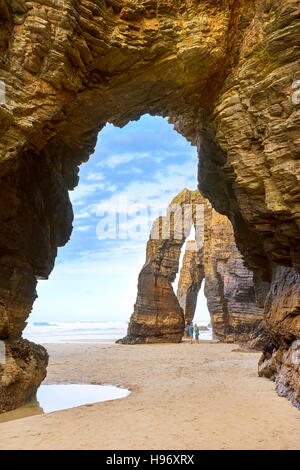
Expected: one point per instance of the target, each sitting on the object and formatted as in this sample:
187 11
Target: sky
132 176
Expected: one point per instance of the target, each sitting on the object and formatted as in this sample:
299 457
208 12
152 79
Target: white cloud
114 160
130 171
83 191
95 176
83 228
82 215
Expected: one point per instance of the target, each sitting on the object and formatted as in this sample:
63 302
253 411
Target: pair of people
193 330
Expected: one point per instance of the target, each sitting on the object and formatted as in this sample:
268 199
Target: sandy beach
200 396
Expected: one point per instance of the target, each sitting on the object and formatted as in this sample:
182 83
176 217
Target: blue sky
138 170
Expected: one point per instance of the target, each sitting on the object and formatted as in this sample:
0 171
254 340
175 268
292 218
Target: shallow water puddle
54 397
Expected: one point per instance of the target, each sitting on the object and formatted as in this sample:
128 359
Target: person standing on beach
196 332
190 331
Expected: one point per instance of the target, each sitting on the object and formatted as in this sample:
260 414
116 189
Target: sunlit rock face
226 74
160 315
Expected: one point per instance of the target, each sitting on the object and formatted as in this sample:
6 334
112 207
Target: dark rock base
22 373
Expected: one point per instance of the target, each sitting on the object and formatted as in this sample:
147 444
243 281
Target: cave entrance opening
92 290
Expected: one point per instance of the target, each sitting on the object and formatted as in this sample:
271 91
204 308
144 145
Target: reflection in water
54 397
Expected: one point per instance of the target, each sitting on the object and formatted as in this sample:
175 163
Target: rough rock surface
229 286
213 255
281 358
282 365
225 72
21 374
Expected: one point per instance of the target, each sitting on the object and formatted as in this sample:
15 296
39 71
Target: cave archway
112 62
221 74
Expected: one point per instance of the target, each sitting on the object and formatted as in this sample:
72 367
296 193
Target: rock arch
223 71
158 316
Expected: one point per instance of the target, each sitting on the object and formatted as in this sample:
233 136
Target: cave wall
223 71
281 358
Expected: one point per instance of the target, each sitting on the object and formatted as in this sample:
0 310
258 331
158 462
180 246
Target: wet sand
185 396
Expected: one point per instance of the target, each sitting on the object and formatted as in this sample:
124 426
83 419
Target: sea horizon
84 331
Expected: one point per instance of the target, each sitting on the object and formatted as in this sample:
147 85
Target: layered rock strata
213 256
225 72
157 315
281 357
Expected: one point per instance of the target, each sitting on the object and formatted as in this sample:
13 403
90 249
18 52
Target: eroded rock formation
281 359
21 373
159 314
225 72
229 286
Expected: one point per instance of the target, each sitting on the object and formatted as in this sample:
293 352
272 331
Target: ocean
75 332
83 332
